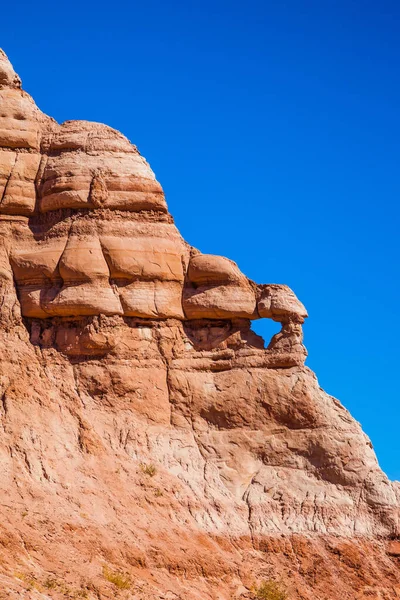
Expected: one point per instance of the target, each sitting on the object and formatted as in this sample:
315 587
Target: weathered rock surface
151 447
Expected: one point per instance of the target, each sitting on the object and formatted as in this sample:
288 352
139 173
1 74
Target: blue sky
274 128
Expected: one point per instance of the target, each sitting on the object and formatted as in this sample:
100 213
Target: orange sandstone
148 437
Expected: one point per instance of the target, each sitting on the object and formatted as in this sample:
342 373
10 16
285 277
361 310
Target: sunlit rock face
87 231
144 426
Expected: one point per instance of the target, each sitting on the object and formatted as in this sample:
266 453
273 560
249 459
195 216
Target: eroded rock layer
151 447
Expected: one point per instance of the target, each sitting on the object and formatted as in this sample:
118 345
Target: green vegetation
269 590
120 580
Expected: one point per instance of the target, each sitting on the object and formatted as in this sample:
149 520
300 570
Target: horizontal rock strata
151 446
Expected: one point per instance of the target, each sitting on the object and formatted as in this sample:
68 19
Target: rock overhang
93 235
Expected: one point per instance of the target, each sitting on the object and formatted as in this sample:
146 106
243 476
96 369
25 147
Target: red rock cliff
151 447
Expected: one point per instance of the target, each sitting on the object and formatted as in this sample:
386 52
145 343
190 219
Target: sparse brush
269 590
119 579
149 470
51 584
29 580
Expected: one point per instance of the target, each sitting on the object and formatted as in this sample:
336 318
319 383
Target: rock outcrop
151 447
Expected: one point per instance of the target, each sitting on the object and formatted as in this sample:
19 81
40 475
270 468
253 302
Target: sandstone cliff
151 447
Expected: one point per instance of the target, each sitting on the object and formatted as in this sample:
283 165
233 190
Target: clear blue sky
274 128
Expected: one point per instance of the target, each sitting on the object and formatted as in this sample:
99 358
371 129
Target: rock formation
151 447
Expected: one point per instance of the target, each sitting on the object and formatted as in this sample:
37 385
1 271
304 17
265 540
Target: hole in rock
266 328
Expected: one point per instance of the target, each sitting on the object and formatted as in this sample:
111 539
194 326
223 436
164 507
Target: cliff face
151 447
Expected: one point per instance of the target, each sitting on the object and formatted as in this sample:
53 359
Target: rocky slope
151 447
